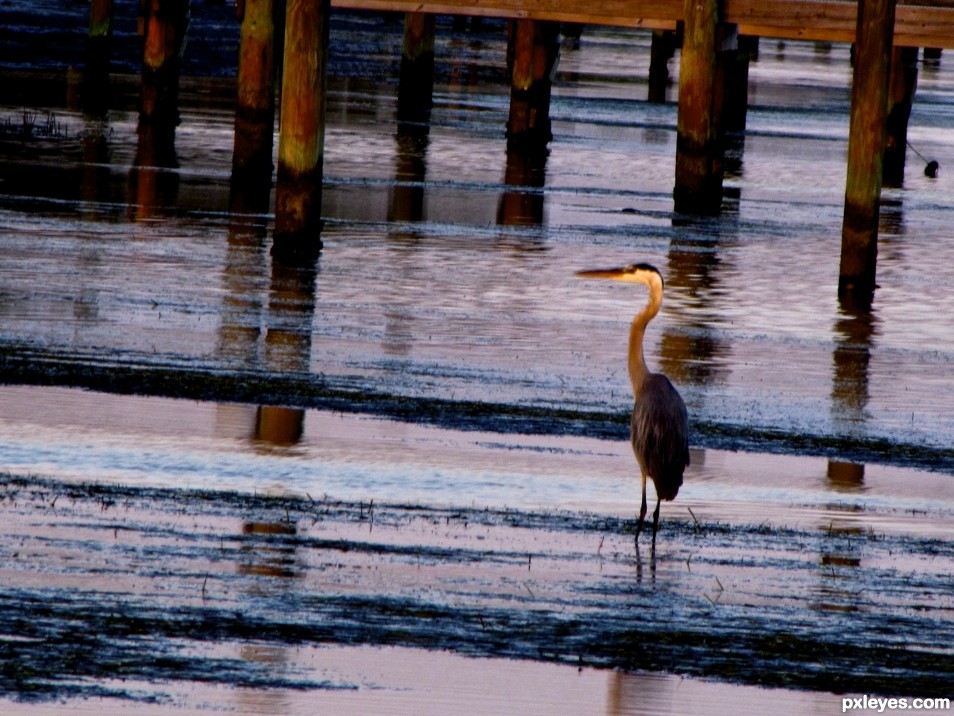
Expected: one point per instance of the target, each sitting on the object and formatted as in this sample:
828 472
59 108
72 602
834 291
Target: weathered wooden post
866 141
95 95
699 141
255 96
415 97
416 90
302 129
163 24
736 107
535 47
903 83
661 50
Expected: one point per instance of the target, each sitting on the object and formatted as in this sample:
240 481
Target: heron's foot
642 513
656 521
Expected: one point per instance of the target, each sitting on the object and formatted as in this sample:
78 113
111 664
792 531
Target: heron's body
659 429
659 433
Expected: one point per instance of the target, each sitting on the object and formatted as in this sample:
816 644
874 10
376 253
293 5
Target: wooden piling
164 24
95 94
699 141
302 129
903 83
736 106
255 96
866 142
535 49
416 90
661 50
101 18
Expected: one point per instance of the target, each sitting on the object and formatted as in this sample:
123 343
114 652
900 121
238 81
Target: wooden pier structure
885 33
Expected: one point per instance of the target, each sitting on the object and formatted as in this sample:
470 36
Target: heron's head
634 273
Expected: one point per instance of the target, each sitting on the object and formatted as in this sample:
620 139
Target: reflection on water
856 329
523 200
840 587
266 554
846 476
407 193
153 181
691 352
288 321
276 425
750 330
630 694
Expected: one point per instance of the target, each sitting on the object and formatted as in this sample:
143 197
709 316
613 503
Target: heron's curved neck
638 371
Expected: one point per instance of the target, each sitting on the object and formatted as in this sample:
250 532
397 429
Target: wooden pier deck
921 23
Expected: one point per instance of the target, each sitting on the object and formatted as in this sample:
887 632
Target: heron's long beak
613 273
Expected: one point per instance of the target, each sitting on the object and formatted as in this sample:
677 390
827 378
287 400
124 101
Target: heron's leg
656 519
642 512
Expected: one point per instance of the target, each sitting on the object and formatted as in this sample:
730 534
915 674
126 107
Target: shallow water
440 279
157 596
442 354
87 437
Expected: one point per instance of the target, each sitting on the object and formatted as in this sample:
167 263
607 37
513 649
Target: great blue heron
659 429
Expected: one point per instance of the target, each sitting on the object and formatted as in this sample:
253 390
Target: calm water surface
441 351
448 269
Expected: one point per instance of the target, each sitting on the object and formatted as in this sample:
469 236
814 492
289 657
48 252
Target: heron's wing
660 434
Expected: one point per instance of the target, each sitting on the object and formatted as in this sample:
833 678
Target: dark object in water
932 167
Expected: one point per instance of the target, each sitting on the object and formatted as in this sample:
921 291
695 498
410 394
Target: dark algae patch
314 391
123 591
